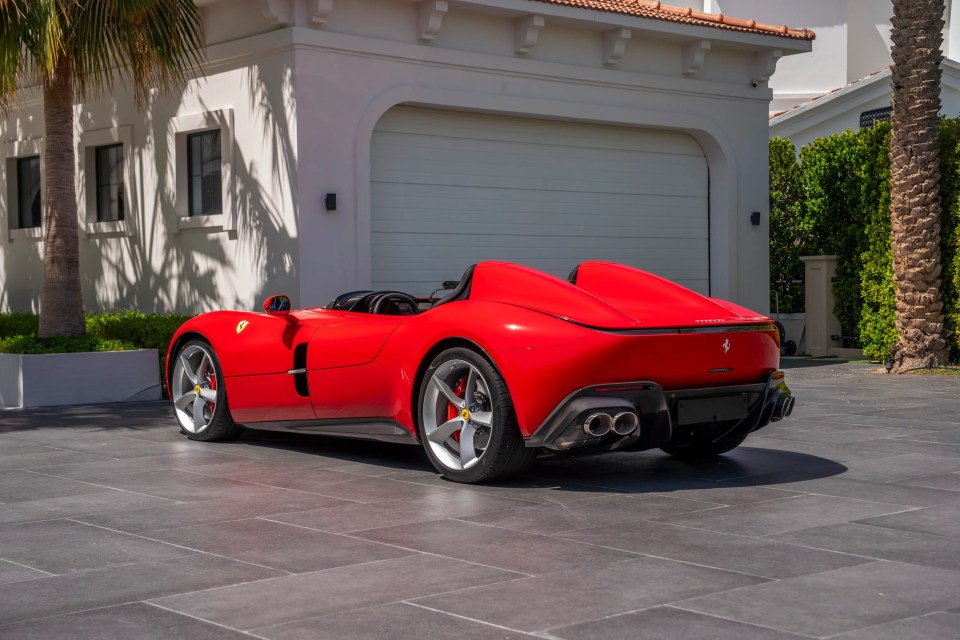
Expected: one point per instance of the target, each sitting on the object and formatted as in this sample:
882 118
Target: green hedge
119 331
836 200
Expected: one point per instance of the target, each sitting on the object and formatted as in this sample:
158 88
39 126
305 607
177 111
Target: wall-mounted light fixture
755 218
330 202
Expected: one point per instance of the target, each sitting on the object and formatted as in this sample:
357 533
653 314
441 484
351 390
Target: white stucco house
343 144
845 80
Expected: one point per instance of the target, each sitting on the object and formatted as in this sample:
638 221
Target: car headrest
462 291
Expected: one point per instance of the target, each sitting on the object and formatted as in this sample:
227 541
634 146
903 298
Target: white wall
151 263
341 95
305 99
841 110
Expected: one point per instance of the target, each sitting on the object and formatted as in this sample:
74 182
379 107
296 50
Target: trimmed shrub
787 213
117 331
29 344
18 324
842 183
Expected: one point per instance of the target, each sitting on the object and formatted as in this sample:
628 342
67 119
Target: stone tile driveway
841 522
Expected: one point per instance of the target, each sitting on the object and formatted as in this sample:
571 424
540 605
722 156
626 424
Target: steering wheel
380 304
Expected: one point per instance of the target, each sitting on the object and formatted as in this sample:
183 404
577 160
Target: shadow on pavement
629 472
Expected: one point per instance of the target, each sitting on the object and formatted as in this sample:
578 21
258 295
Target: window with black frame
204 173
29 212
110 200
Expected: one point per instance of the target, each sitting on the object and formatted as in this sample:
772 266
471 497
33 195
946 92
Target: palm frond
142 43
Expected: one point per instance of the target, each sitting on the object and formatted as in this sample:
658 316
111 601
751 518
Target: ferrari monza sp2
511 364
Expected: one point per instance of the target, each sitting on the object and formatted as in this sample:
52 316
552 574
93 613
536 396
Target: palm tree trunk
915 184
61 300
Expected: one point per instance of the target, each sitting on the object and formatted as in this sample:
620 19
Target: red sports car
512 363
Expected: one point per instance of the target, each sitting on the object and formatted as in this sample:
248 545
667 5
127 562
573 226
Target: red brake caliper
213 387
452 412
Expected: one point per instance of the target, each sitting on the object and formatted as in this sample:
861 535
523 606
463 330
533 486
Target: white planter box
78 378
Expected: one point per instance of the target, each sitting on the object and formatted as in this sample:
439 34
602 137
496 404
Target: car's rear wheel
199 395
467 423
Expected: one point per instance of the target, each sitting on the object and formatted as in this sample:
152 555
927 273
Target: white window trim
180 128
87 182
11 151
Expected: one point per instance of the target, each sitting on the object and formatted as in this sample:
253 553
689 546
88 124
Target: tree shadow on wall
163 268
22 276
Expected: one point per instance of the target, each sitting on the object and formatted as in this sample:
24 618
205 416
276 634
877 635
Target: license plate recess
716 409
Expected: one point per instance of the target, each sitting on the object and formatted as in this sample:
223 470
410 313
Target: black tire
702 448
503 454
219 424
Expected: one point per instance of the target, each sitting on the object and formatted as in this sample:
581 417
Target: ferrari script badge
726 345
465 414
241 326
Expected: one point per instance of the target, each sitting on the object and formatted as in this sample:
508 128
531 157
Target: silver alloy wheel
459 442
193 388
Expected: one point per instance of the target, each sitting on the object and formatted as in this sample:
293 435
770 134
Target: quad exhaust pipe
783 408
600 424
625 423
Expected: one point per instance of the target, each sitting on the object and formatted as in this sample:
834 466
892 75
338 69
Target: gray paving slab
104 501
583 514
399 621
347 517
512 550
799 531
13 572
170 514
12 447
25 486
933 626
833 602
309 595
668 622
881 542
14 462
903 493
101 467
587 593
136 621
942 521
946 481
779 516
65 546
349 486
277 545
759 557
54 595
176 484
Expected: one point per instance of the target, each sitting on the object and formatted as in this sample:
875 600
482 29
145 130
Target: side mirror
277 305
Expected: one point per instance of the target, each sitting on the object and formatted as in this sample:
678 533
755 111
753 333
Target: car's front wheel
467 422
199 395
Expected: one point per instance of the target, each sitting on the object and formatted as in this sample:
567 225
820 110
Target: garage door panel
515 166
451 189
681 261
473 211
465 126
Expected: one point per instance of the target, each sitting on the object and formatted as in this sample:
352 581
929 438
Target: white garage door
450 189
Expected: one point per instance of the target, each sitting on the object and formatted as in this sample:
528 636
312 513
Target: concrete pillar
821 322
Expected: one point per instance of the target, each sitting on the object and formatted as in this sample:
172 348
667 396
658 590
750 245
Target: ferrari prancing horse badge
242 325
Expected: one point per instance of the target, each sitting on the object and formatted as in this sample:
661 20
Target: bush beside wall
119 331
836 200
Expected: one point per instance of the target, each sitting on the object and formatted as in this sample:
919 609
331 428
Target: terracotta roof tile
659 11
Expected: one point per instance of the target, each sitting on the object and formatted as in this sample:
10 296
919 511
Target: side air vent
300 367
